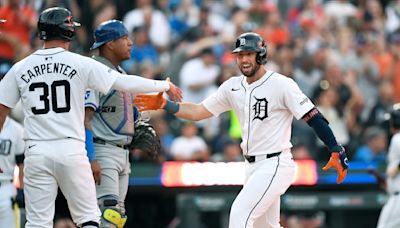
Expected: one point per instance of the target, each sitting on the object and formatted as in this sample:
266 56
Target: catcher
110 122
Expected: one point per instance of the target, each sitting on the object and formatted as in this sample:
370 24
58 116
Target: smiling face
246 61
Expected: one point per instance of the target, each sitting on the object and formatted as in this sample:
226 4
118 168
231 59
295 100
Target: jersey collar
265 77
49 51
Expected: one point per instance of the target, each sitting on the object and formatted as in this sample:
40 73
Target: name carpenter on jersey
49 68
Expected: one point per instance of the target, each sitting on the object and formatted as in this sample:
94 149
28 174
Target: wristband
171 107
89 145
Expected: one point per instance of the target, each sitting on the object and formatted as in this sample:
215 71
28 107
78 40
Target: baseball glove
145 139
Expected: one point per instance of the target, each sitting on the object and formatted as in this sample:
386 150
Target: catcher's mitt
145 139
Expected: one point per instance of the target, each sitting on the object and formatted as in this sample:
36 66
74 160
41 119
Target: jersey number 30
54 87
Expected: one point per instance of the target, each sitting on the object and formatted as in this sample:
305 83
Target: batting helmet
108 31
395 116
252 42
56 23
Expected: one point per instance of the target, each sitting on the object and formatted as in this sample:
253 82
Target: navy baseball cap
108 31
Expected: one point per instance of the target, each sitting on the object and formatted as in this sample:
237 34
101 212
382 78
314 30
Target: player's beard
252 72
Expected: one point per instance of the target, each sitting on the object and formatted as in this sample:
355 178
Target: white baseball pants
58 163
258 203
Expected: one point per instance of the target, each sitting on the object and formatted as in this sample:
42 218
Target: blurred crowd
345 55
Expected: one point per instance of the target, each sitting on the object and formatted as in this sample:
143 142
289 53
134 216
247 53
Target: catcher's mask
252 42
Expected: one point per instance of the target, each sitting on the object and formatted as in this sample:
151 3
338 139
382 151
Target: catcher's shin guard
112 214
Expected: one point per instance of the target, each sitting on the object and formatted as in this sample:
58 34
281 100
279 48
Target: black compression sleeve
19 159
321 127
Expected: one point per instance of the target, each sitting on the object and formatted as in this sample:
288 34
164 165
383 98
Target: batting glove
145 102
339 161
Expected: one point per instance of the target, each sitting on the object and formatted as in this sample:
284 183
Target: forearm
191 111
136 84
89 113
21 175
321 128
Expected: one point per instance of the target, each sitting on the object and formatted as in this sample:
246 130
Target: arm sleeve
136 84
320 125
102 78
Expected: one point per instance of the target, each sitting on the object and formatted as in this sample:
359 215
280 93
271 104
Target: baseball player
111 118
265 103
51 84
389 215
11 154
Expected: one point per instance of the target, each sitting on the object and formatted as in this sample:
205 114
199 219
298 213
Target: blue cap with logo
108 31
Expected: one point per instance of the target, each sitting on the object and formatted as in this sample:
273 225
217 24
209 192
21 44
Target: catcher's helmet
56 23
395 116
252 42
108 31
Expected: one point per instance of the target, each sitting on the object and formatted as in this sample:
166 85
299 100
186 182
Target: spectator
198 79
383 104
142 51
153 19
374 147
231 153
15 37
189 146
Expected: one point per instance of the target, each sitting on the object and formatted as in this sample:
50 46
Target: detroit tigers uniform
51 84
111 141
11 145
389 217
265 109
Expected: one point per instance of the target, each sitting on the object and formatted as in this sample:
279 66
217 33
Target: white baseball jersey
265 109
388 217
50 82
11 144
393 184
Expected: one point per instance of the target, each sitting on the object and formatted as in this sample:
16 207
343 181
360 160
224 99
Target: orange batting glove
339 161
145 102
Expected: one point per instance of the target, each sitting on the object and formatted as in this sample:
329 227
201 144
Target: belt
396 193
252 159
104 142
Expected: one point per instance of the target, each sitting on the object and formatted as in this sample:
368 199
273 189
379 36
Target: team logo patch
87 94
260 108
242 41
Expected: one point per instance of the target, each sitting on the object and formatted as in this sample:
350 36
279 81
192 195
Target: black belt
252 159
104 142
396 193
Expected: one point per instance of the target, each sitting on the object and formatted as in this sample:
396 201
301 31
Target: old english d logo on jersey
260 108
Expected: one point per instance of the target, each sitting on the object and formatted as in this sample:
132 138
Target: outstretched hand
145 102
174 92
339 161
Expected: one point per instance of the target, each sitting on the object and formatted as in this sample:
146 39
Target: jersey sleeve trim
91 105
